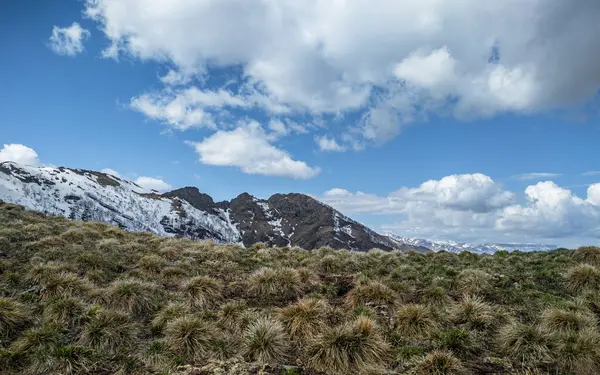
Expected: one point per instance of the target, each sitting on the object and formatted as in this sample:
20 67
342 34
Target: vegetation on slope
88 298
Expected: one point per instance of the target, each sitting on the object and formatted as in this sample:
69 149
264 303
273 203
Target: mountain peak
283 220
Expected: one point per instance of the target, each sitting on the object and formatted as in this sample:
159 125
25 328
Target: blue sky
231 100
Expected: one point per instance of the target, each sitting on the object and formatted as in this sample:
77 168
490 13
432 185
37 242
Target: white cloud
536 176
328 144
111 172
148 183
248 147
591 173
278 127
427 70
187 108
396 61
19 154
175 78
593 193
68 40
553 211
475 208
476 193
151 183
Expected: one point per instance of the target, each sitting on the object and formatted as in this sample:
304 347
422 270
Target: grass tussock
353 347
266 342
91 299
202 291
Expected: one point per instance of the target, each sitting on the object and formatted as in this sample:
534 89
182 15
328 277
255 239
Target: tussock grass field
89 298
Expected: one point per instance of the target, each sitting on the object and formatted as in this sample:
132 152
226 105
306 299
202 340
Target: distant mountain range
457 247
282 220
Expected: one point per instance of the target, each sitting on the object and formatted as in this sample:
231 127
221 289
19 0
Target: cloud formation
148 183
249 148
19 154
466 207
394 61
151 183
536 176
326 143
68 41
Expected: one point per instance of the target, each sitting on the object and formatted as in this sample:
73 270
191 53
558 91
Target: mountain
456 247
281 220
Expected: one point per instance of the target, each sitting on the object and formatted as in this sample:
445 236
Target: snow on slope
456 247
93 196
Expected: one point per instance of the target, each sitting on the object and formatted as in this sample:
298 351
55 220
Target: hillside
89 298
282 220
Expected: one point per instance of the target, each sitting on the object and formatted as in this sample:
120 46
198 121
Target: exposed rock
282 220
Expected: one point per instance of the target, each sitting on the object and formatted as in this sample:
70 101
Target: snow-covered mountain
456 247
94 196
282 220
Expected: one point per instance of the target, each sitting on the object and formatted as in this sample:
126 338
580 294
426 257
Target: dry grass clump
134 296
276 284
578 352
583 277
12 316
235 316
587 254
265 341
562 320
65 284
191 336
526 345
152 263
474 313
372 293
68 311
439 362
202 291
109 331
305 318
474 281
415 321
170 312
350 348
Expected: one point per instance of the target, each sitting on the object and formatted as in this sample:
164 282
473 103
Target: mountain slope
456 247
282 220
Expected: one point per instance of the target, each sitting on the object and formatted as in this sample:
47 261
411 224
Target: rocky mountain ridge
282 220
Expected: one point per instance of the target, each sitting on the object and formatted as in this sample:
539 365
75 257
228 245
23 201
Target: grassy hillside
87 298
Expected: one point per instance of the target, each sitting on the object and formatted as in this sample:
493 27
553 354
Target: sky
466 120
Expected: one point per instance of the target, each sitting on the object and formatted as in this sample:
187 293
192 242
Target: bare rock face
281 220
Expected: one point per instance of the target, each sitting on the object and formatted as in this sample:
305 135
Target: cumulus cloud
536 176
395 61
187 108
151 183
328 144
553 211
249 148
68 41
474 207
476 193
19 154
148 183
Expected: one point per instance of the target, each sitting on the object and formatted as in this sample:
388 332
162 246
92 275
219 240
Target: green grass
88 298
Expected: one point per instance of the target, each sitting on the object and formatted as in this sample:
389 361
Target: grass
191 336
88 298
352 347
266 342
